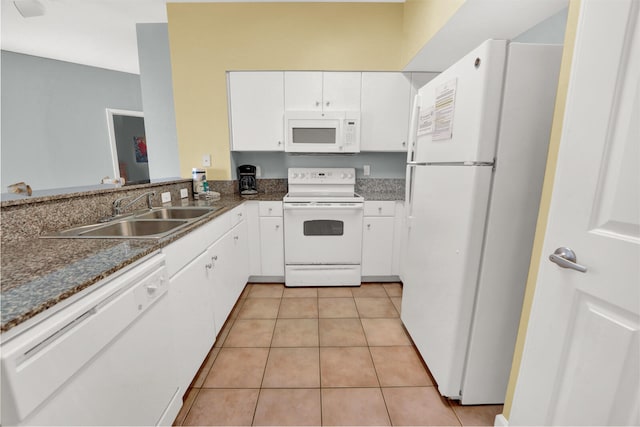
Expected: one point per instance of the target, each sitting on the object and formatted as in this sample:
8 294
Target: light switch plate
166 197
184 193
206 160
367 170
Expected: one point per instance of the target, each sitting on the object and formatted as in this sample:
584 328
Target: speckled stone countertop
37 274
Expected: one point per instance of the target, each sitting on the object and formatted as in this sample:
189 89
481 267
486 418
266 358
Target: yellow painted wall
543 214
208 39
422 20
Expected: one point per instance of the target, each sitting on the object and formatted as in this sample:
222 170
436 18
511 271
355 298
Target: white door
581 362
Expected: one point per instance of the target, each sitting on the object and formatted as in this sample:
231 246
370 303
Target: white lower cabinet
194 327
266 232
229 270
377 250
379 242
271 246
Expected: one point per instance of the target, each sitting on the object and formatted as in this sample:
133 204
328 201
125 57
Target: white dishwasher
104 360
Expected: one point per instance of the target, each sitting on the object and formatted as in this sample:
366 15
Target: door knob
566 258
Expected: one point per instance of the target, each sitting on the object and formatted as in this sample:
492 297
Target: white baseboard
501 421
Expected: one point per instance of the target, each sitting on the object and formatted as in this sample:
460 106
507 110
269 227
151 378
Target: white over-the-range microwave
322 132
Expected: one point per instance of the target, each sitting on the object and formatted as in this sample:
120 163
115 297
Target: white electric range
322 228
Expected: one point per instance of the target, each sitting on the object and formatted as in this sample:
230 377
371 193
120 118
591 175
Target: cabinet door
303 90
386 101
272 246
253 236
194 328
220 258
239 260
341 91
257 122
377 252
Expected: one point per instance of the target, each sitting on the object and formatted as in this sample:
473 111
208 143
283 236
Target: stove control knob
294 175
343 176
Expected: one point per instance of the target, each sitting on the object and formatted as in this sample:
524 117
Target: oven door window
323 227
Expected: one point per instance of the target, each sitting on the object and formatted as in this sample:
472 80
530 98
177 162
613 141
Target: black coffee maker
247 179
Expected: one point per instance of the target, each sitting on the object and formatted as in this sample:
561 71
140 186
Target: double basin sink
150 224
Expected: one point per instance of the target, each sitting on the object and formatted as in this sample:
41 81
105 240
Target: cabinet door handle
368 226
277 226
279 142
214 258
235 237
209 266
328 103
317 103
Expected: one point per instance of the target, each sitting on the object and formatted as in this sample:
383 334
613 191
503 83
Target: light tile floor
319 356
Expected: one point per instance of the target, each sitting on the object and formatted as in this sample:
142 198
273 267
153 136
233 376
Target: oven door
323 233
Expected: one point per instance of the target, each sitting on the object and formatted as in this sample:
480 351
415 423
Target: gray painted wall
157 99
54 122
275 164
549 31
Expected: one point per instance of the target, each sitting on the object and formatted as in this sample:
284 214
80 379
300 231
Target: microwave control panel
350 131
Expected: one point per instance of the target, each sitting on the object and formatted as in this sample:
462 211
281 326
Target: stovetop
322 185
326 197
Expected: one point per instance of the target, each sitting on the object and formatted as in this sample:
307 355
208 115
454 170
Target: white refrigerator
475 166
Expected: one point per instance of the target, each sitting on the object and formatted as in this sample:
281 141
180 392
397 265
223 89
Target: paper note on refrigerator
425 121
444 111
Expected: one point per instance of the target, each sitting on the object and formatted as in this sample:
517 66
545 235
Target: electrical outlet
166 197
184 193
258 172
367 170
206 160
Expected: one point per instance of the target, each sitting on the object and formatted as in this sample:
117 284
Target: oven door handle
341 206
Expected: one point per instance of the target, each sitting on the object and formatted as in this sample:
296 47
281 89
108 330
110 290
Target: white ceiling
100 33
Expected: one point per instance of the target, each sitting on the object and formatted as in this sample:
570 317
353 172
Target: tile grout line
264 371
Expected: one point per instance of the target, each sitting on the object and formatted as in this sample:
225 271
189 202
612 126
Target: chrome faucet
118 209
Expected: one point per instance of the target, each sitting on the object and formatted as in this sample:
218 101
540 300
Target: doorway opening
128 145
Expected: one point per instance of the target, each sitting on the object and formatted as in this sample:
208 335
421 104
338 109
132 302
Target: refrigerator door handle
409 192
417 164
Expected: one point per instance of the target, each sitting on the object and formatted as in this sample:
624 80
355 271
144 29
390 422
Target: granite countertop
40 273
37 274
382 195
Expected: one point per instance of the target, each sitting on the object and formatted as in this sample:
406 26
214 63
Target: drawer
379 208
270 208
237 214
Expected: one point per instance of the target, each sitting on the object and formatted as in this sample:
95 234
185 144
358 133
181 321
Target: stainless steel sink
153 224
176 213
130 228
135 228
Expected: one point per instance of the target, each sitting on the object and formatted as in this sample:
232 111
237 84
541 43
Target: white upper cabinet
322 91
386 101
256 109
